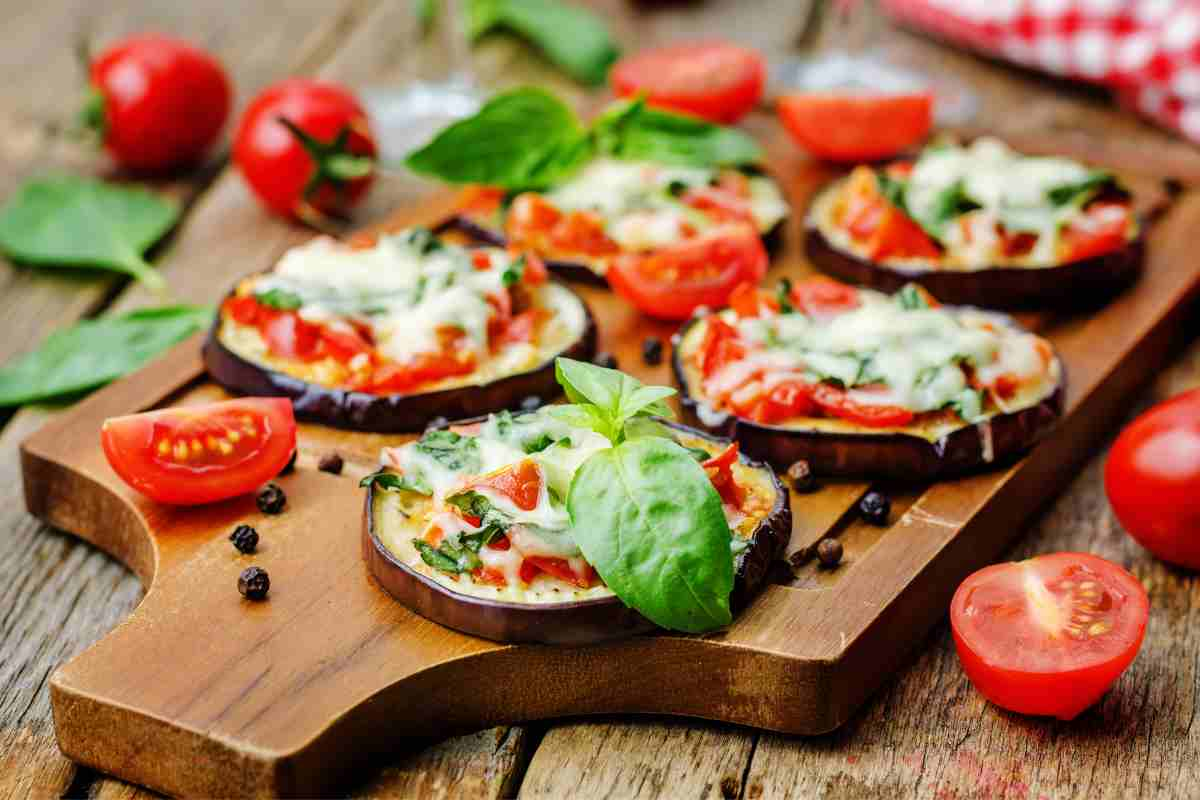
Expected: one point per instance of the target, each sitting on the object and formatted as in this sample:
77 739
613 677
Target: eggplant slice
573 622
1086 283
876 455
390 413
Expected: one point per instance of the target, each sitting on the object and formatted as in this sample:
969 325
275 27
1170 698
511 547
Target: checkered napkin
1147 50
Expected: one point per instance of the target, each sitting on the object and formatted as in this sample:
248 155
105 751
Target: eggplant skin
893 456
574 623
387 413
1085 283
572 270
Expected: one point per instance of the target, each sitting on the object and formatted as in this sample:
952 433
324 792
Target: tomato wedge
1102 230
1048 636
849 127
555 567
201 454
672 282
717 80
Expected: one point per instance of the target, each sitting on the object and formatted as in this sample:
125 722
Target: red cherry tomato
1153 479
158 102
716 80
1103 229
672 282
201 454
823 296
854 127
320 161
1050 635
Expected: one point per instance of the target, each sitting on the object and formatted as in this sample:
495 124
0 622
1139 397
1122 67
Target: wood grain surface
926 734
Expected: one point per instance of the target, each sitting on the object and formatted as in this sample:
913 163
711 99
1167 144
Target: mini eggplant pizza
390 333
980 224
574 523
868 385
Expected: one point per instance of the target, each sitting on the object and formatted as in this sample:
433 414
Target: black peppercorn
290 467
875 507
331 463
801 477
244 538
531 403
829 553
437 423
271 499
652 350
605 360
254 583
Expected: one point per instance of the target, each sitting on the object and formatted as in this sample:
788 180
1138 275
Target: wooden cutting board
202 693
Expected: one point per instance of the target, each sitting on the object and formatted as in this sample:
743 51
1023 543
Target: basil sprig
528 139
574 38
644 512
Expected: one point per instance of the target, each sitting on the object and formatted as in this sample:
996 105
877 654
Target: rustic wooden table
926 734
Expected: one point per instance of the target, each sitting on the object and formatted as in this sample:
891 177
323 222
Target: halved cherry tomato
200 454
1101 231
720 471
853 127
817 296
871 219
716 80
520 482
672 282
1049 635
1152 478
556 567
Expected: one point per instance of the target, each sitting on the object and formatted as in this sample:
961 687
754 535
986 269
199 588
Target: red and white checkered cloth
1147 50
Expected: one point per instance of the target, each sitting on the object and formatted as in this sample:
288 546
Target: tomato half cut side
200 454
851 127
719 81
672 282
1048 636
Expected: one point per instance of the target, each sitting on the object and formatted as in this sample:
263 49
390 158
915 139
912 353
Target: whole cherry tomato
1152 478
157 102
306 149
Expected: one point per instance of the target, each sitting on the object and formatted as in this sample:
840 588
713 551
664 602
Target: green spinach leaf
68 221
633 130
572 37
522 139
93 352
648 519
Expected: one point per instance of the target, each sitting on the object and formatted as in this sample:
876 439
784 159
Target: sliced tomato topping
480 201
533 223
242 310
720 471
427 367
1049 635
556 567
200 454
817 296
720 346
1102 230
899 236
837 403
886 231
481 261
750 301
856 127
722 205
520 482
289 336
672 282
535 273
344 345
717 80
499 543
785 401
521 329
490 576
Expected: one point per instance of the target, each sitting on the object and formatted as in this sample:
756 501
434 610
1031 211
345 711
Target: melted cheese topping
405 291
1007 189
883 354
502 441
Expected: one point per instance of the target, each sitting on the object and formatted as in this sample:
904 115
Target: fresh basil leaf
639 427
454 452
280 299
572 37
67 221
699 453
587 383
541 443
911 298
393 482
585 415
892 190
648 519
93 352
1079 191
615 396
522 139
633 130
446 557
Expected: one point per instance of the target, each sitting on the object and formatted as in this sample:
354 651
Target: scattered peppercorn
271 499
531 403
652 350
875 507
331 463
437 423
254 583
801 477
606 360
244 538
829 553
290 467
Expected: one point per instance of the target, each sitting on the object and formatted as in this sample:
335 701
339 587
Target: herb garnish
452 451
574 38
280 299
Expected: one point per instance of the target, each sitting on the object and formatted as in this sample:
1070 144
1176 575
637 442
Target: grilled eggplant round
597 618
